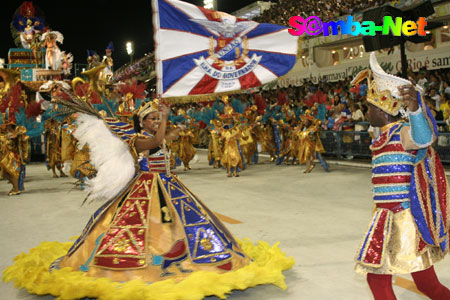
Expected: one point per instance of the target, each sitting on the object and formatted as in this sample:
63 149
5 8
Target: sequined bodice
155 162
392 167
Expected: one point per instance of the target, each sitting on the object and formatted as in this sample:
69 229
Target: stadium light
209 4
130 50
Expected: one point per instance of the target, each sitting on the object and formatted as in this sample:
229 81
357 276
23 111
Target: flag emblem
201 51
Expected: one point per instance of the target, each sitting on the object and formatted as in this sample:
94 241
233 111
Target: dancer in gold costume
215 144
230 135
53 137
186 150
13 155
248 138
309 142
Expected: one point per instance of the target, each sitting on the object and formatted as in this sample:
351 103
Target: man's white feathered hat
382 88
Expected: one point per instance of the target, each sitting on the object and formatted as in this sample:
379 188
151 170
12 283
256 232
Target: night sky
92 24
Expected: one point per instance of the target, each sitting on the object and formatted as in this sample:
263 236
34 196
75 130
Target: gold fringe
30 271
200 98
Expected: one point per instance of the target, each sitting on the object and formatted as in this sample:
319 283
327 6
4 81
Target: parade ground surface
318 218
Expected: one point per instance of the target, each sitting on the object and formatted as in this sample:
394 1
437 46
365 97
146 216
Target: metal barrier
336 143
356 143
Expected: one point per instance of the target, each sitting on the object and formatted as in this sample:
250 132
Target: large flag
201 51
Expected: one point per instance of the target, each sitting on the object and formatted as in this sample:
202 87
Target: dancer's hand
409 96
164 109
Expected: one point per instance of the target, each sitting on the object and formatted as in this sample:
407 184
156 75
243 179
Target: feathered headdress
110 46
132 92
27 9
228 111
12 102
49 85
34 109
82 90
56 34
132 87
308 115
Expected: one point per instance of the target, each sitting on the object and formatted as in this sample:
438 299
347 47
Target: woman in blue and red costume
150 228
409 231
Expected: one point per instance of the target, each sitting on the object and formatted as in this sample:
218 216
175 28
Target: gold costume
81 166
247 143
14 149
186 150
215 147
268 141
231 158
309 143
402 256
53 135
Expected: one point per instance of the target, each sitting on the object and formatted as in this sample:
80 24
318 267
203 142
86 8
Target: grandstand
334 58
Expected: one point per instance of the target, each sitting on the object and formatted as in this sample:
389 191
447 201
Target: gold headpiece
147 108
308 115
229 110
228 113
225 99
382 87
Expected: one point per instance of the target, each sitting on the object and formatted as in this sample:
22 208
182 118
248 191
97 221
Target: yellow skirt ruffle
31 271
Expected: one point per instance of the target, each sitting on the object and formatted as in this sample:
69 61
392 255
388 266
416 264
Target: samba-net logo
314 26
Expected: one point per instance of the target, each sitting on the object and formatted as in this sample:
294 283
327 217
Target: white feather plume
109 155
59 36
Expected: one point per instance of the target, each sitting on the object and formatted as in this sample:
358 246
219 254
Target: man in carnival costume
409 229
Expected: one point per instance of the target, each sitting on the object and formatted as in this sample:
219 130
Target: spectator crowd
326 10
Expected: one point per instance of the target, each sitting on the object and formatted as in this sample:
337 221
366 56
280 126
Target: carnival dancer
215 147
247 142
186 150
410 226
81 167
76 154
285 132
53 137
53 55
309 141
132 95
89 59
173 147
267 138
108 62
288 146
13 155
30 34
151 227
230 135
248 139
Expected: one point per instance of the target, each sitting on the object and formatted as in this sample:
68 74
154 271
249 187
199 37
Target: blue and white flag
201 51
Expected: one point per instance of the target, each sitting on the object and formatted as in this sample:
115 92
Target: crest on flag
201 51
